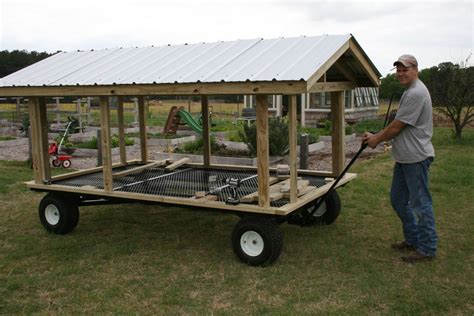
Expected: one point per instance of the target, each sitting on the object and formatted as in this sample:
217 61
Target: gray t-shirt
413 144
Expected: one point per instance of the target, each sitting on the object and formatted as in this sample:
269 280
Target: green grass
7 138
167 260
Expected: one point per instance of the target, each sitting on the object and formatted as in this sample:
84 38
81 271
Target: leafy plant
92 143
278 136
196 147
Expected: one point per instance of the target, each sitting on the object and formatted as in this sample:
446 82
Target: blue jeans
411 199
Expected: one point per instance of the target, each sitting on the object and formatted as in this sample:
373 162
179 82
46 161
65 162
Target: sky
434 31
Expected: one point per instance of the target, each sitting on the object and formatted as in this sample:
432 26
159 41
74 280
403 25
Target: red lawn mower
54 150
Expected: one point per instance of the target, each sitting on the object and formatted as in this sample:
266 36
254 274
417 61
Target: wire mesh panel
184 182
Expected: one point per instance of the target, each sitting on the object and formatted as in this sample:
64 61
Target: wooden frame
315 83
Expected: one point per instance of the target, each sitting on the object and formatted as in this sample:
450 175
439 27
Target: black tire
329 210
58 215
266 240
56 163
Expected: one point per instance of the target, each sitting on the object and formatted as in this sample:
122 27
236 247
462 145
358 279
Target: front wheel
257 241
67 163
57 214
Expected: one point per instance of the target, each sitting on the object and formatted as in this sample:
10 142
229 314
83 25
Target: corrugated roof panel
279 59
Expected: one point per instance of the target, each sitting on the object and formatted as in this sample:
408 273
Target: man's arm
392 130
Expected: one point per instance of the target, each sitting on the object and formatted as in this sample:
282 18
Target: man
411 133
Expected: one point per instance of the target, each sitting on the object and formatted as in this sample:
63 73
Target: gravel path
17 149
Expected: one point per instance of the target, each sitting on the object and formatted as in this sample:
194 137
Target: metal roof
280 59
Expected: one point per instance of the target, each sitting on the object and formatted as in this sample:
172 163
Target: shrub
197 146
92 143
278 136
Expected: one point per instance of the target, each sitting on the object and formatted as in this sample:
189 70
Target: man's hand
370 139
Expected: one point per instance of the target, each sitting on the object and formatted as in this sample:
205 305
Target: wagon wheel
257 241
67 163
56 163
328 211
59 215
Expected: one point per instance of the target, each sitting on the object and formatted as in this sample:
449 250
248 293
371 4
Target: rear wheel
328 211
67 163
56 163
58 215
257 241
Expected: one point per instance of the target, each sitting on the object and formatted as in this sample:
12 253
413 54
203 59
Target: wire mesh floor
182 182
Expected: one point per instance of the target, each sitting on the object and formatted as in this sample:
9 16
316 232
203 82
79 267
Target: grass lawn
166 260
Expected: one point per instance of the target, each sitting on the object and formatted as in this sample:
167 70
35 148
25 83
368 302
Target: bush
197 146
278 136
92 143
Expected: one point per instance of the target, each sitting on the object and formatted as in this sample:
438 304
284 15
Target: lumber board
177 164
301 192
141 168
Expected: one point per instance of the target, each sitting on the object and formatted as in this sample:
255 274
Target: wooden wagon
291 66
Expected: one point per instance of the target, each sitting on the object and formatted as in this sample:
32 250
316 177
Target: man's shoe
417 257
403 246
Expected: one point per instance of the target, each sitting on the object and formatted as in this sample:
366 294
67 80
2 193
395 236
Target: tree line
11 61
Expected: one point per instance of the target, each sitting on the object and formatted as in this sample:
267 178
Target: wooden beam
332 86
293 149
141 168
338 132
219 88
324 67
121 131
106 143
142 128
263 160
206 137
178 164
360 57
39 139
341 66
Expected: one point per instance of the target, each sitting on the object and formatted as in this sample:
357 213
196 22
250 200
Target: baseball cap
406 60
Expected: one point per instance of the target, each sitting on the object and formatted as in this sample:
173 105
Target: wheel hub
252 243
51 214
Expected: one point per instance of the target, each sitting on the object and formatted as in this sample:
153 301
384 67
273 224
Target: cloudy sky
434 31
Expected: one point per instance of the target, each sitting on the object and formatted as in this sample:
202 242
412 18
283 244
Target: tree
389 86
452 93
18 59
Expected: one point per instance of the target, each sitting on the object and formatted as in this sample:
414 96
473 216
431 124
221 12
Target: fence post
304 149
30 151
99 148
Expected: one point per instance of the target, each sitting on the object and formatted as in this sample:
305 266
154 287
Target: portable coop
282 66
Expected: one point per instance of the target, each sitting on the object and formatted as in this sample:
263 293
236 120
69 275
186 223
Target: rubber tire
268 230
67 163
67 210
333 209
56 163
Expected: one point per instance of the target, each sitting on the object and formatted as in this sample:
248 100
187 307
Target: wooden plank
217 88
141 168
301 192
324 67
35 143
121 131
293 150
142 129
106 143
177 164
338 132
299 186
331 86
43 141
262 151
205 131
89 171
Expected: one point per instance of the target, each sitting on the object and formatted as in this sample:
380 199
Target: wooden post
338 132
39 137
263 159
121 131
99 148
142 127
304 151
206 137
106 145
292 143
